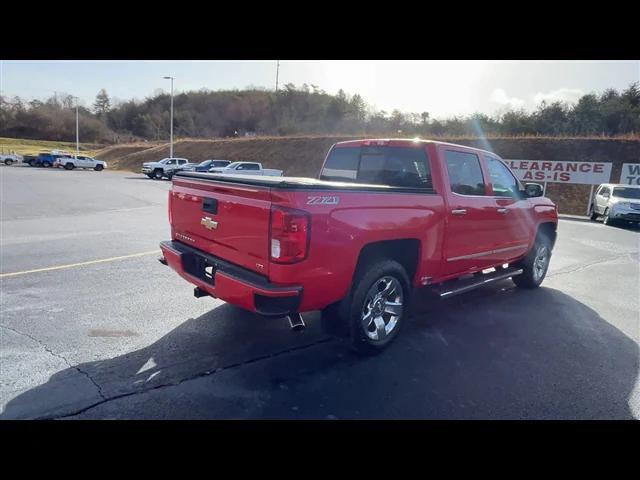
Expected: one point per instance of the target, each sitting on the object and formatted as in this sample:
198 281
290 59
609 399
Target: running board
455 287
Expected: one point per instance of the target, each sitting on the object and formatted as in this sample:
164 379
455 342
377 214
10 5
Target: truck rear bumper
229 282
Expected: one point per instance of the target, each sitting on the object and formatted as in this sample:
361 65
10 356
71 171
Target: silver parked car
616 202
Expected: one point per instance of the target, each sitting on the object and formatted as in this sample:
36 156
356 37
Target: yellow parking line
90 262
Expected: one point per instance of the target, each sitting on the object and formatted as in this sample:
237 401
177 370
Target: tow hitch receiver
198 292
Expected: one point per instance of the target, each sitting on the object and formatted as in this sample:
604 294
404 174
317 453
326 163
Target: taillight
289 234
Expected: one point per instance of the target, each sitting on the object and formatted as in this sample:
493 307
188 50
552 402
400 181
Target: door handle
459 211
502 210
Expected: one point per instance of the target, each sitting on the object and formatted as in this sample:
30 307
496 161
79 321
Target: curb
575 218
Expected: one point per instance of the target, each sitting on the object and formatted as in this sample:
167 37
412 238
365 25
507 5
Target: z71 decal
323 200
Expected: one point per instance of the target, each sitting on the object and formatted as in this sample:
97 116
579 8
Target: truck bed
296 183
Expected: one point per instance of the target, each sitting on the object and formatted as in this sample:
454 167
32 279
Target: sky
442 88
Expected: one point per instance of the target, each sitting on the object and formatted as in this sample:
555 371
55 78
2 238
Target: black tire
149 175
169 176
98 168
69 166
46 164
8 162
30 163
348 318
605 219
531 276
158 174
594 215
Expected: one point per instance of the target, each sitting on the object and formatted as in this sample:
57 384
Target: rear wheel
69 166
158 174
593 215
535 264
98 168
46 164
150 175
8 161
375 309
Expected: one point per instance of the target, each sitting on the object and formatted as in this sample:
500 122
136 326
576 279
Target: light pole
77 130
171 127
277 73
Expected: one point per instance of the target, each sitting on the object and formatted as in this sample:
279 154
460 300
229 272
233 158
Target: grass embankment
33 147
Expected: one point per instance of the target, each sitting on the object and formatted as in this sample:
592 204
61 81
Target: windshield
627 192
219 163
205 163
233 165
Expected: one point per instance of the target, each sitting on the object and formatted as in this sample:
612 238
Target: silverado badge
207 222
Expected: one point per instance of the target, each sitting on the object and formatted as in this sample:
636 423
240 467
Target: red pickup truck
384 219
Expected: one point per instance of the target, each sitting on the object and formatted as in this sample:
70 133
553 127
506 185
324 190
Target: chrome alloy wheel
541 262
382 308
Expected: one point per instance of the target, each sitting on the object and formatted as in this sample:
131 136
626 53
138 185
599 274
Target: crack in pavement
57 355
193 377
588 265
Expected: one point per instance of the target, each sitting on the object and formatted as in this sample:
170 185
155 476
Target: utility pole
171 128
277 73
77 130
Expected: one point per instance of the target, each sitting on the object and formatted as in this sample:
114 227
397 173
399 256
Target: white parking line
72 265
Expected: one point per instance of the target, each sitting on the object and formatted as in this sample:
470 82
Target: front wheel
593 214
158 174
69 166
535 264
8 162
375 309
607 220
46 164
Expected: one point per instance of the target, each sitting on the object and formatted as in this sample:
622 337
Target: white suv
163 168
616 202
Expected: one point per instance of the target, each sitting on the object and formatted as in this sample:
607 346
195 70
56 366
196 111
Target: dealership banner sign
630 174
586 173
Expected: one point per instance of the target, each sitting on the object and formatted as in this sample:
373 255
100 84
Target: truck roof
398 142
614 185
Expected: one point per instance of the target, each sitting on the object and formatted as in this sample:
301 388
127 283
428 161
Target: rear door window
465 173
394 166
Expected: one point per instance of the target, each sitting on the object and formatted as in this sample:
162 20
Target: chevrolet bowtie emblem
207 222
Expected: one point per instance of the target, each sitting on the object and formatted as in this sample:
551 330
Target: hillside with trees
302 111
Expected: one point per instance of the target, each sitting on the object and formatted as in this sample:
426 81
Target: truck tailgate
227 220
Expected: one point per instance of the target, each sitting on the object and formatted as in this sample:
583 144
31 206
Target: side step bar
455 287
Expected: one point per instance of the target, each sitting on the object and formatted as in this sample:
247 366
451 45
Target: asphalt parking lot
125 338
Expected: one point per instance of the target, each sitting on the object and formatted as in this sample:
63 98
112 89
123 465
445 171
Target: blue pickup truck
46 159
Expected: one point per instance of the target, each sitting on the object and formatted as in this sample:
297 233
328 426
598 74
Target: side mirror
533 189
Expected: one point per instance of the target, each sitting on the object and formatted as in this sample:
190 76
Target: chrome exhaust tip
296 322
